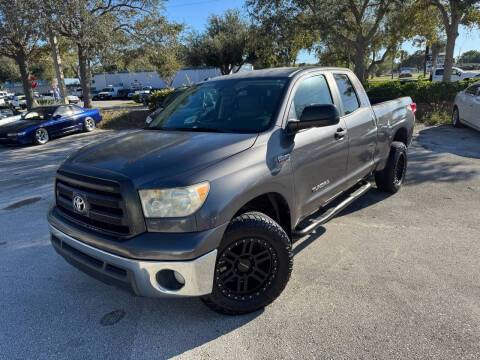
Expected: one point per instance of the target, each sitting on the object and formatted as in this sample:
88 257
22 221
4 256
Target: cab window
63 111
311 91
347 93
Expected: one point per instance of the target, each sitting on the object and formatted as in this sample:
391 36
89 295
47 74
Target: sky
194 14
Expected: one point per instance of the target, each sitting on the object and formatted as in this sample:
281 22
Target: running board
329 214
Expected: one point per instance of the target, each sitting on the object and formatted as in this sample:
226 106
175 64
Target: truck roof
281 72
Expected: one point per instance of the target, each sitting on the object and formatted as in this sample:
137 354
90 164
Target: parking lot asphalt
392 277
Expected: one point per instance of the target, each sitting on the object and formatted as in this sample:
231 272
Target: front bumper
19 140
140 276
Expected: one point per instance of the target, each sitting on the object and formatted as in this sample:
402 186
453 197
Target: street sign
33 81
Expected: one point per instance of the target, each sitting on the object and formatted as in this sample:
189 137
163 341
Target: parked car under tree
43 123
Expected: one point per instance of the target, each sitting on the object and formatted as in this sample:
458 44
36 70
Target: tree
454 13
369 30
20 23
224 44
277 39
90 24
472 56
415 60
159 46
8 70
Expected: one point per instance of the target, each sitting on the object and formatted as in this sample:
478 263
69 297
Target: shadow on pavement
447 139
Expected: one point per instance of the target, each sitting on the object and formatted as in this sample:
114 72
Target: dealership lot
391 277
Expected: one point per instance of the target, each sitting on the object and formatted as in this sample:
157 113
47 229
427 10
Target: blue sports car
46 122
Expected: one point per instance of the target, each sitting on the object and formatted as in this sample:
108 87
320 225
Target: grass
435 117
395 78
123 119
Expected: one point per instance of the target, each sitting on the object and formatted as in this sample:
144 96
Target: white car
19 101
466 108
457 74
73 99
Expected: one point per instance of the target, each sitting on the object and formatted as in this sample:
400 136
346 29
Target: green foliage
46 102
435 117
278 38
8 70
472 56
223 45
157 44
433 94
156 98
361 32
137 98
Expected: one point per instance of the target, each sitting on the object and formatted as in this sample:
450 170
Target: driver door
62 120
319 156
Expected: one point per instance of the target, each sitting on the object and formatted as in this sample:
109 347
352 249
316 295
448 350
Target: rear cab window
347 93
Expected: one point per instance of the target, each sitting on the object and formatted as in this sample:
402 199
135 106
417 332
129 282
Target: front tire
392 177
456 118
41 136
253 266
89 124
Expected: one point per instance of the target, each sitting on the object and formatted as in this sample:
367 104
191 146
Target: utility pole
427 50
57 61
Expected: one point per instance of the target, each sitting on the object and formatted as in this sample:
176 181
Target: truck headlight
176 202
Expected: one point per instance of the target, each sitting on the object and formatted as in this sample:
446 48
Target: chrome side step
330 213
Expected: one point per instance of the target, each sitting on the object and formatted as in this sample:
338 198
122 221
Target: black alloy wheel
246 268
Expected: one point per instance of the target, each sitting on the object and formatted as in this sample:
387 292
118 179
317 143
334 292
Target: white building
139 79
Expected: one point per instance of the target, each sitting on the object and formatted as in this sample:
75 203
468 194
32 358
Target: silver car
466 108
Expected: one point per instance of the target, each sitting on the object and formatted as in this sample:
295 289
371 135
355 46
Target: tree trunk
57 62
22 63
359 65
452 34
84 77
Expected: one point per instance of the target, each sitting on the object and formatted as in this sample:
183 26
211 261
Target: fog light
170 280
179 277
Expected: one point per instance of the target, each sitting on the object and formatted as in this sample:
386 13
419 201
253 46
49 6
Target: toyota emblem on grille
79 204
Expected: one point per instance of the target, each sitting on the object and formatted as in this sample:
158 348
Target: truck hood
17 126
156 154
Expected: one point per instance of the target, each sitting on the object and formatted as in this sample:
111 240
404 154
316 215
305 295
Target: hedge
435 94
155 99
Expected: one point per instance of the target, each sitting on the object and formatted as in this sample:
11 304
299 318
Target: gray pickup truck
208 198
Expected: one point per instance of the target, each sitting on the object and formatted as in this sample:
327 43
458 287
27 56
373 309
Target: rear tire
254 264
392 177
456 118
89 124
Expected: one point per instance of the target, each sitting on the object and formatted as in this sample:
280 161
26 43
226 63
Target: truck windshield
236 106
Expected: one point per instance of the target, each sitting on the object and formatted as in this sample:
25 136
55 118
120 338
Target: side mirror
57 116
315 116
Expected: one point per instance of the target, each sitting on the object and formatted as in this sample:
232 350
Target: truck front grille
105 207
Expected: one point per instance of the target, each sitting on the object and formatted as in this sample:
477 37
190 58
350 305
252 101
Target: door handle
340 134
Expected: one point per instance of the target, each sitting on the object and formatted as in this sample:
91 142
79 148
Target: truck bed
392 115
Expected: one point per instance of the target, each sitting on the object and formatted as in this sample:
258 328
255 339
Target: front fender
239 179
